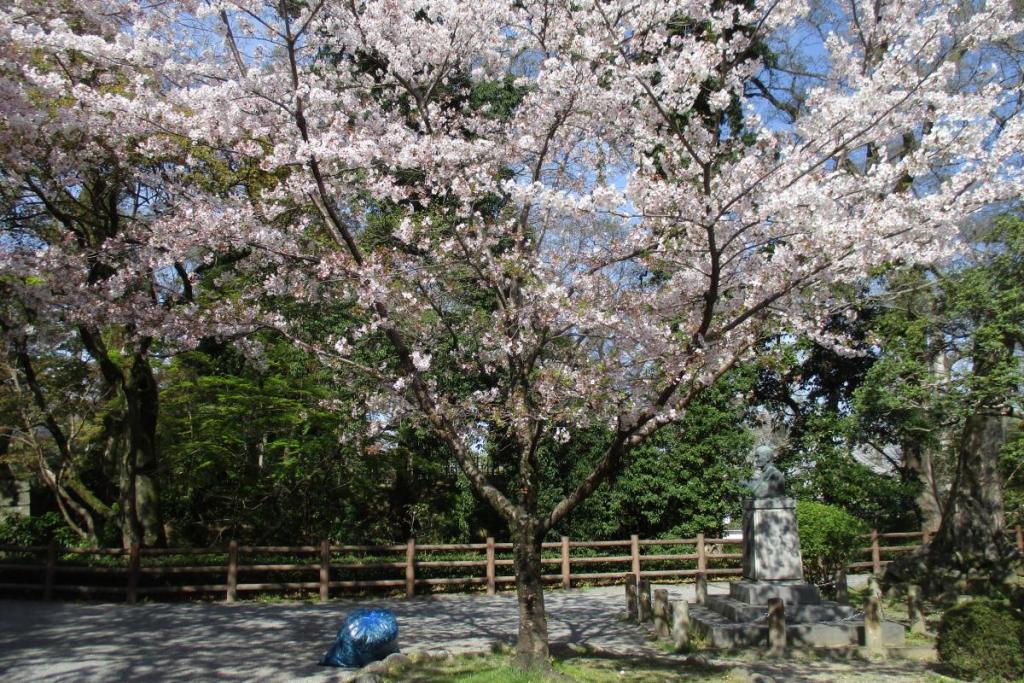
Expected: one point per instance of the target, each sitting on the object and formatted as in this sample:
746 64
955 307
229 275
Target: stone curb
394 662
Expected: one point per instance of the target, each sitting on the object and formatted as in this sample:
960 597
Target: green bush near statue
829 538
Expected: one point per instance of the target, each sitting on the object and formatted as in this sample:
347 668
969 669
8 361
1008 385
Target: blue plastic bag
367 636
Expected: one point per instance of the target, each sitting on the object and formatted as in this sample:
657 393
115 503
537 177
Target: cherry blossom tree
70 293
588 214
85 292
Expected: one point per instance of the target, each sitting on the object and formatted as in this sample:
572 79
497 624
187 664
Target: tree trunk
532 645
973 527
918 464
143 397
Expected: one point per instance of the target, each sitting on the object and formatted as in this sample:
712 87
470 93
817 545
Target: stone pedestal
771 543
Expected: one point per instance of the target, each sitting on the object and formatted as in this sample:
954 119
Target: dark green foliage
500 97
829 537
811 389
39 530
831 474
982 640
257 454
683 481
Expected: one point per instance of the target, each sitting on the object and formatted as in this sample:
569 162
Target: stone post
702 588
873 622
776 627
842 589
631 598
915 610
646 609
680 625
661 613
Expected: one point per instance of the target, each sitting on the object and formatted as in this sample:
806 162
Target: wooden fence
329 569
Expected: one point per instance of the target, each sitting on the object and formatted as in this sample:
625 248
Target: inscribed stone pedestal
771 545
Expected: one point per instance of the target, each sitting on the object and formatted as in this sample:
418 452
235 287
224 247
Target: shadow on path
282 641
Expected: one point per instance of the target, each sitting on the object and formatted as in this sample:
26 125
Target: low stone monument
773 570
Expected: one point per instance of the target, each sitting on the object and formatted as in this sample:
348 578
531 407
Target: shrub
22 530
982 640
829 536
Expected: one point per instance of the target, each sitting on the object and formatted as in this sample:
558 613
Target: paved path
278 641
283 641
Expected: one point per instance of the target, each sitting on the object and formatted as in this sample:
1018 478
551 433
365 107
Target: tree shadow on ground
253 641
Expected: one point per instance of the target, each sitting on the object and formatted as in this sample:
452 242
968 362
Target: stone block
776 627
722 633
760 592
738 611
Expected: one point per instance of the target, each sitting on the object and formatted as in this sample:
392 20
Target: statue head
763 456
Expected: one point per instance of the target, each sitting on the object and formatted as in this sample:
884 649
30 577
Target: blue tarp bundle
367 635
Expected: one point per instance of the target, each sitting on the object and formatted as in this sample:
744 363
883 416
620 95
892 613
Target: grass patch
499 668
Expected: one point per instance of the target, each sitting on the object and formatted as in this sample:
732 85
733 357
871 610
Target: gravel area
284 641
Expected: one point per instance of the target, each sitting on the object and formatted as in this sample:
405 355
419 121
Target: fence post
410 568
232 593
876 554
325 569
702 558
926 536
491 583
701 588
133 574
634 551
566 567
51 569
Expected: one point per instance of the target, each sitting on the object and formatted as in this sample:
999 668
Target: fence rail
328 569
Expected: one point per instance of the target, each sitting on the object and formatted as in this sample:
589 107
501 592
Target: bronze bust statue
768 481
